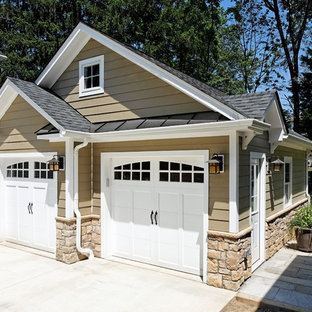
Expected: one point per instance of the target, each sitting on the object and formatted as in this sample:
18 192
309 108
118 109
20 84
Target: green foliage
302 218
306 95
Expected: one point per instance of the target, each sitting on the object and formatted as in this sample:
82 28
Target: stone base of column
66 238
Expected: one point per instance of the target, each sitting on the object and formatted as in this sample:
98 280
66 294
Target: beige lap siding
219 184
17 129
130 91
275 181
259 144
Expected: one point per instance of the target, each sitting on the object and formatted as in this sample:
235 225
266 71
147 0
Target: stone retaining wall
229 261
277 233
66 238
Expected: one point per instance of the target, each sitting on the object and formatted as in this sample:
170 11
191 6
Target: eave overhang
244 127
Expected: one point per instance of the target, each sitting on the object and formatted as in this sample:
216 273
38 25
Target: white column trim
69 178
234 182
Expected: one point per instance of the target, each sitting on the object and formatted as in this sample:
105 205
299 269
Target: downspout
76 202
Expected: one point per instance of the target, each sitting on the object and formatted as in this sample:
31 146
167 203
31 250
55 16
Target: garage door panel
41 217
193 204
177 208
142 200
31 202
11 211
191 258
169 202
121 198
169 253
25 218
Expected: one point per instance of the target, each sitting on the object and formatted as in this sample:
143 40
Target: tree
306 95
247 45
291 19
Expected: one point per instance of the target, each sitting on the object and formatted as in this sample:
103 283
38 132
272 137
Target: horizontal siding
275 181
130 91
219 185
17 128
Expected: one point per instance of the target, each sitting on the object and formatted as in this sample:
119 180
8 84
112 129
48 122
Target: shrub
302 218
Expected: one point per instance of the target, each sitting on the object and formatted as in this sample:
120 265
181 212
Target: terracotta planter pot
304 239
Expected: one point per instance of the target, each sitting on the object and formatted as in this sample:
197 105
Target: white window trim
289 161
89 62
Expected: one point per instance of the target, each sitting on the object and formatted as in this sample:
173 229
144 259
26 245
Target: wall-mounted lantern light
56 163
277 165
216 164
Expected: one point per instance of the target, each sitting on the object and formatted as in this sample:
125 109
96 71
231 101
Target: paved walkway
286 278
31 282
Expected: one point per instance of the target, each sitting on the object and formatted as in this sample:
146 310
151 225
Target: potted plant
302 224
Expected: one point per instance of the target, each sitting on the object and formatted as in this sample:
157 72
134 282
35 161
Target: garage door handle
152 216
156 217
28 207
31 207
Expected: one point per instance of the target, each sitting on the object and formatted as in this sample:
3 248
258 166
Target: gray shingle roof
64 114
252 105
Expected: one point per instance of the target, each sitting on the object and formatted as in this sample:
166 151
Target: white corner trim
234 182
97 60
82 33
69 178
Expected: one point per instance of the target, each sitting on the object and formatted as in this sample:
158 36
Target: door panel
25 217
40 215
11 200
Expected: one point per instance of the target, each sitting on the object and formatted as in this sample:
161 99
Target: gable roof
253 105
57 111
193 88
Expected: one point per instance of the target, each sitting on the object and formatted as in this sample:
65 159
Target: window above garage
91 76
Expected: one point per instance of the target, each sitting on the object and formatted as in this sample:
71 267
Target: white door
254 208
157 211
30 197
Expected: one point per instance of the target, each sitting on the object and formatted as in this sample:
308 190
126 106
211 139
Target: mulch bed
245 305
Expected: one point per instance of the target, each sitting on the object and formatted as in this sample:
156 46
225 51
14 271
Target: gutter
76 203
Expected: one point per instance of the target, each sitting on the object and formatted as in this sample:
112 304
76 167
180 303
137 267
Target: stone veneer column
229 259
66 238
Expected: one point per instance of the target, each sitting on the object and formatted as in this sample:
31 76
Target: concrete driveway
30 282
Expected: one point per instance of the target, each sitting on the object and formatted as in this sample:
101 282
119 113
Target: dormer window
91 76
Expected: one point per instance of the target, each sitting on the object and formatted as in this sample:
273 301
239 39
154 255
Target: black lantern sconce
277 165
56 163
216 164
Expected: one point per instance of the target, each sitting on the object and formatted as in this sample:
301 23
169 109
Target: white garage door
157 211
30 196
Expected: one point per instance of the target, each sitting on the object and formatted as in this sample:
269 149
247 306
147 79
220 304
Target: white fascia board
10 91
172 132
293 141
278 111
81 35
63 58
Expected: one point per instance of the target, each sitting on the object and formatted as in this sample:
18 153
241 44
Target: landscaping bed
239 304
